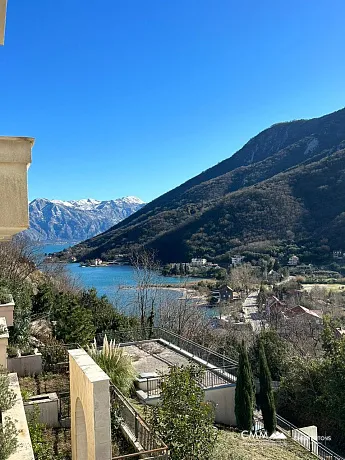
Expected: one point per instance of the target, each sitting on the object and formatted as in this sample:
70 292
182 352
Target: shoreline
187 293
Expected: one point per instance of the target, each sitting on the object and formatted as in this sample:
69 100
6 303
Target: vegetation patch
230 446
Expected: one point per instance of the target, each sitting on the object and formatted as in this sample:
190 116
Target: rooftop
153 358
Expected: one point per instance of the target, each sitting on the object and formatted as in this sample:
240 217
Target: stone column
90 408
3 4
15 158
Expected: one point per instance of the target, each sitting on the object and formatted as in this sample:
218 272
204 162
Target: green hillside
285 186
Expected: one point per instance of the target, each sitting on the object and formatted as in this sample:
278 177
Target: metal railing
306 441
131 420
218 376
210 379
196 350
153 386
64 407
156 454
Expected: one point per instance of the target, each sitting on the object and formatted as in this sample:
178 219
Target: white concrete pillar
3 4
3 343
15 158
90 408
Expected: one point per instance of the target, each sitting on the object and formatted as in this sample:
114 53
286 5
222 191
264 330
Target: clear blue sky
133 97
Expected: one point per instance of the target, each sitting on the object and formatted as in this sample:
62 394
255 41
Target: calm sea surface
114 281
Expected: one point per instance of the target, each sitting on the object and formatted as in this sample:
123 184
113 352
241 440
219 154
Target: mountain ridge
75 220
180 215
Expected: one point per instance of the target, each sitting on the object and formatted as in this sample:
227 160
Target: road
251 312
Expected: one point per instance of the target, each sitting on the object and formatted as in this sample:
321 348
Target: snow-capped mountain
77 220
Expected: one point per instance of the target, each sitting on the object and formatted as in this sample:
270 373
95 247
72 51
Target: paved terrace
157 356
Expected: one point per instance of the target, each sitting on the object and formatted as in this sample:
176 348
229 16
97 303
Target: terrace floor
154 356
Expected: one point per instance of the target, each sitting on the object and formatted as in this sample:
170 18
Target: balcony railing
216 377
197 351
157 454
306 441
131 420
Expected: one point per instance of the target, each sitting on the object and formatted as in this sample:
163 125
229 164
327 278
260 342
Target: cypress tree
267 403
244 393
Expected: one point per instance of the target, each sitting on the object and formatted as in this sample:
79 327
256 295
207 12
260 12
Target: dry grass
230 446
328 287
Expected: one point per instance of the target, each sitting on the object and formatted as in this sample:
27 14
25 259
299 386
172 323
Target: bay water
117 281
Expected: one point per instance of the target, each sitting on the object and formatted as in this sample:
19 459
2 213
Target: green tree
44 300
104 316
72 323
277 351
330 345
183 419
244 393
267 402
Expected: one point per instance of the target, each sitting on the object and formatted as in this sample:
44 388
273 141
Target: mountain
57 220
284 189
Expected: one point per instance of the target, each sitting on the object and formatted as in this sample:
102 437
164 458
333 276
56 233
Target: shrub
8 432
183 419
43 449
12 352
5 296
53 353
115 362
8 439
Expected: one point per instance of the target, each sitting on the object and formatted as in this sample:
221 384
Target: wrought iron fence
306 441
131 420
64 407
153 386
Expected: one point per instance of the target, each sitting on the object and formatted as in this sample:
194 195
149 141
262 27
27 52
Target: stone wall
17 415
48 406
25 366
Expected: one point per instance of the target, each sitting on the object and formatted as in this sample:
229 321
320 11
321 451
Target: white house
198 262
236 260
293 261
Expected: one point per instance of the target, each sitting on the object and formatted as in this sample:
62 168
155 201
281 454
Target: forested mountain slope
285 184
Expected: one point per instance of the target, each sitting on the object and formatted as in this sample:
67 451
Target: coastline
187 293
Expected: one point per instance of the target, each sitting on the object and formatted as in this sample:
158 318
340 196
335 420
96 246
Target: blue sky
134 97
